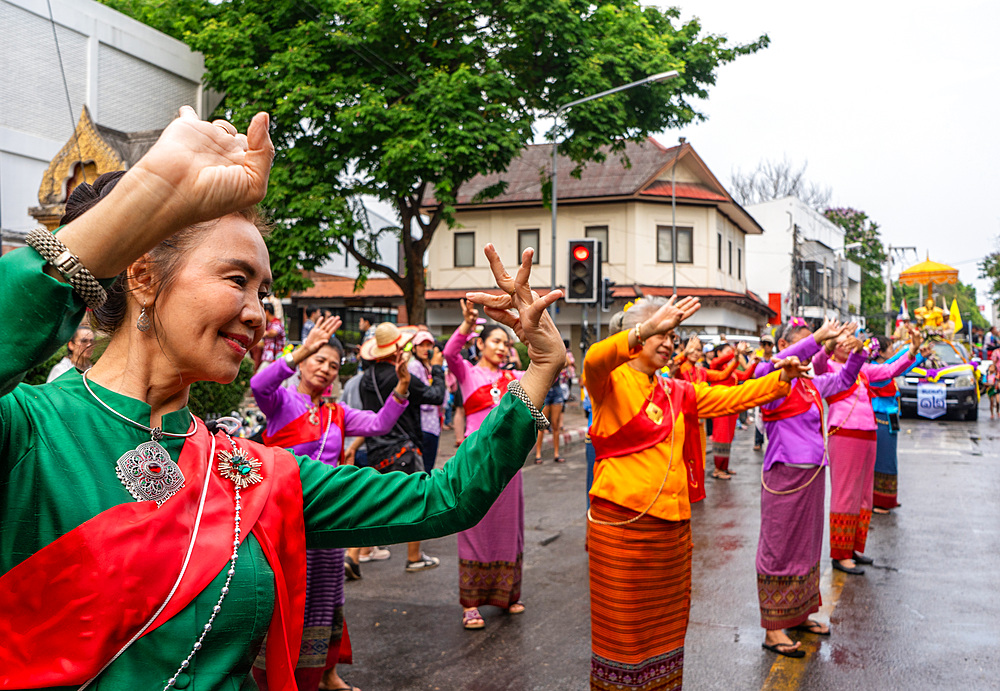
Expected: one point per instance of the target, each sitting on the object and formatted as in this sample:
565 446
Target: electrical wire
69 103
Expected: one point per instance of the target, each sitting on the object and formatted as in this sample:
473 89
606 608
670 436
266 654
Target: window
739 263
525 239
600 233
720 251
465 249
730 257
664 241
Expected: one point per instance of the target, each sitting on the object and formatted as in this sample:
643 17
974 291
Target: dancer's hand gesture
665 319
529 320
828 329
791 368
202 170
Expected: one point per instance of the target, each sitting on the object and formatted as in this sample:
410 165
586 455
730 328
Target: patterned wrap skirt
490 555
723 431
886 465
640 597
852 476
791 545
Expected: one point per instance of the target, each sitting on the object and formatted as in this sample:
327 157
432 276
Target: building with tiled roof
627 207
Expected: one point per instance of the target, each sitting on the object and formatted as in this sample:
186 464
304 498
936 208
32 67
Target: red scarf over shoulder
646 430
68 608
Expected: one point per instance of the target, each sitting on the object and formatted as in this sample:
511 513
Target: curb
566 437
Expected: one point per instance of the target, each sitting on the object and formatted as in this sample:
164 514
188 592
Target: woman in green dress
137 547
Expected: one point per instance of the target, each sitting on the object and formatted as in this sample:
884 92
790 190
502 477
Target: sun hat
387 340
767 338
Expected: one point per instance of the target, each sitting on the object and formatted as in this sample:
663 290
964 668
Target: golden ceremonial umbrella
927 273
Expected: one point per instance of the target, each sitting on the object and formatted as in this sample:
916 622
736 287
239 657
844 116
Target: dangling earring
143 323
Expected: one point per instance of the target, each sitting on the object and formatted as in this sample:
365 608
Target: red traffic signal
584 271
581 253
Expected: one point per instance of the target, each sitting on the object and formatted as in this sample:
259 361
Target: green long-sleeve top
59 446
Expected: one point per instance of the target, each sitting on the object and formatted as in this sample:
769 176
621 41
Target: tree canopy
989 269
777 179
408 100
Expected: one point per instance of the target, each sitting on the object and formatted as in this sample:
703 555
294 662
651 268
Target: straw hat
388 339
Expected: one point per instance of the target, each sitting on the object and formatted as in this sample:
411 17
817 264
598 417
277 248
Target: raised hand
437 359
853 344
320 335
402 374
669 316
531 321
916 340
469 316
741 348
201 170
791 368
828 329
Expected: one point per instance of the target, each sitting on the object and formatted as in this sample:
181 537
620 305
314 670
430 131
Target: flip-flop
538 461
776 648
560 459
516 608
807 628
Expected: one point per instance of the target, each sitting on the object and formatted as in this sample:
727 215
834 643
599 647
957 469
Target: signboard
931 400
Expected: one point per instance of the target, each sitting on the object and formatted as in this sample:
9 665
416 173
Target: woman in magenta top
490 555
299 420
852 433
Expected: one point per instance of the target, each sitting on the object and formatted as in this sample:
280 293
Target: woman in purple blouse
299 420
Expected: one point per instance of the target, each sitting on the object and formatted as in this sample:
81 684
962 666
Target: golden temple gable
91 151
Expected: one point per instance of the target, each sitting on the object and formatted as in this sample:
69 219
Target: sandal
560 459
472 619
516 608
777 648
538 460
721 475
810 626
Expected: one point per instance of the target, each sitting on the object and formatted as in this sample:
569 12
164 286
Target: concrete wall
129 76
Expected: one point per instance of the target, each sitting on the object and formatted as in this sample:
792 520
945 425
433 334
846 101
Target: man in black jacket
399 450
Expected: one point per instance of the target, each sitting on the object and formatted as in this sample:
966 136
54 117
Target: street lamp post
662 77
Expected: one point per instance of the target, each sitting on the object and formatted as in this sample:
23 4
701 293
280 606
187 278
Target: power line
69 103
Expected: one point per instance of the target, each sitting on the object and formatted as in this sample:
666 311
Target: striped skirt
852 475
886 465
640 596
790 546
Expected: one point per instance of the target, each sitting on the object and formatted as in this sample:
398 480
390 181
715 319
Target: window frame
720 250
521 246
605 241
730 257
455 241
681 230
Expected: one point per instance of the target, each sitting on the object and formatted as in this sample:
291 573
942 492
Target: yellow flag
956 316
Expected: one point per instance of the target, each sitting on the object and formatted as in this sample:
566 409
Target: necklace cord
153 431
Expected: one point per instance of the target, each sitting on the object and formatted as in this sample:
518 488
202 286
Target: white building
129 76
798 264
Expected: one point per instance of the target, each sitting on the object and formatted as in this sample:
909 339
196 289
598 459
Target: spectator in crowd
425 357
80 349
312 314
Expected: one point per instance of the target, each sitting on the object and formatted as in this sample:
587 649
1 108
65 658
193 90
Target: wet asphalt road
926 616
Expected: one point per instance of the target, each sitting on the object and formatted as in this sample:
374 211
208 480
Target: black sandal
807 627
776 648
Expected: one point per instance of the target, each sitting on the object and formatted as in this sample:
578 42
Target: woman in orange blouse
639 532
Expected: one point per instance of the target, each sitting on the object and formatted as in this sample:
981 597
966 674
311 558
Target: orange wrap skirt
640 597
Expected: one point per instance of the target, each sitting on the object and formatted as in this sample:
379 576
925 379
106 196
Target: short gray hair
643 309
615 324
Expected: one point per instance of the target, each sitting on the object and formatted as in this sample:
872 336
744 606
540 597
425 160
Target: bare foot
516 608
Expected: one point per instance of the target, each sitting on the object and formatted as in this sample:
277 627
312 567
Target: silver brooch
240 468
149 474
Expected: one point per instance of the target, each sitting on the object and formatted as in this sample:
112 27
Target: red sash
887 391
300 430
72 605
803 396
481 398
847 393
643 432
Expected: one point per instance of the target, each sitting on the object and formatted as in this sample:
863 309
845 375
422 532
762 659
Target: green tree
870 256
407 101
989 269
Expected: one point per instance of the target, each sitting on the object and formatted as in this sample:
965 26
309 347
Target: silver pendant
149 474
495 393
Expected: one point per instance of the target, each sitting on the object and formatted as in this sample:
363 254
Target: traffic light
607 294
584 271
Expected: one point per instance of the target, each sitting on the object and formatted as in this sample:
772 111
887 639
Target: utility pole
794 283
888 284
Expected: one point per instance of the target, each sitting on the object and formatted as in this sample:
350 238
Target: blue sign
932 400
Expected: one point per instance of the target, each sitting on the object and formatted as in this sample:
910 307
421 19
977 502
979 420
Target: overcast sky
894 106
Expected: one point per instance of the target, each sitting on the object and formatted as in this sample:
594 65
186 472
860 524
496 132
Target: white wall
130 76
